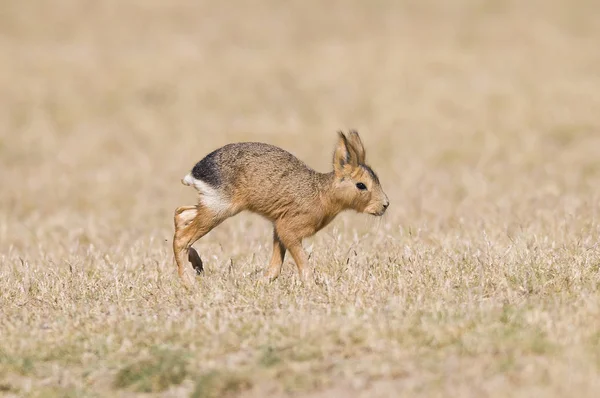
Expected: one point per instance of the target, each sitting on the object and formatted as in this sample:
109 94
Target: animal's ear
343 158
355 144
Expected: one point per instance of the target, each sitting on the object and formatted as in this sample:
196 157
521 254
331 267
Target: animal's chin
377 213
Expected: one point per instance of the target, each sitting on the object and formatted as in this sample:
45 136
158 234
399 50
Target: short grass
481 119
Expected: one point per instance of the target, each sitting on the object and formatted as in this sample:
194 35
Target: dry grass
480 117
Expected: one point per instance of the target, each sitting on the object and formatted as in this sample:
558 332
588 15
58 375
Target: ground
481 119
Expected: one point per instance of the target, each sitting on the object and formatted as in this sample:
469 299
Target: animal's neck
331 203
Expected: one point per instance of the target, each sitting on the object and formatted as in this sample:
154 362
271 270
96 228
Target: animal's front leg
291 232
276 259
301 260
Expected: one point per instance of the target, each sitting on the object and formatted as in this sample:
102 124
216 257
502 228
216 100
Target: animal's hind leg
191 223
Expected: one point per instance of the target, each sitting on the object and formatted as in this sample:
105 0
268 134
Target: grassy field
482 120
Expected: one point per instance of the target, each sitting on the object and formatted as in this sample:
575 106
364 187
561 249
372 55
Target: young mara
267 180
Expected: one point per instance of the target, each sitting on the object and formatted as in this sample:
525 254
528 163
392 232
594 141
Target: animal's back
255 176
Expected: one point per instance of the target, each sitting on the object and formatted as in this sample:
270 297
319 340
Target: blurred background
473 113
480 117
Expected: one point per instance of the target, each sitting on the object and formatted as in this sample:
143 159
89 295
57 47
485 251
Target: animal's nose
385 205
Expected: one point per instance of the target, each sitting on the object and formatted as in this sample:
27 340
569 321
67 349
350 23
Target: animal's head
356 184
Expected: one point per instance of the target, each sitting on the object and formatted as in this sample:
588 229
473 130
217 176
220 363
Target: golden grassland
481 118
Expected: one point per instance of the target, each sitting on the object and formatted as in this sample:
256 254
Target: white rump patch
188 180
209 196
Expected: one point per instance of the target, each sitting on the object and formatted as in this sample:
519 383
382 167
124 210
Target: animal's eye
361 186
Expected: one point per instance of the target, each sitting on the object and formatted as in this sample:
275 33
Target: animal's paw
307 277
270 276
194 258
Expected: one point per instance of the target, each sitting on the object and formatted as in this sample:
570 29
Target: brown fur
269 181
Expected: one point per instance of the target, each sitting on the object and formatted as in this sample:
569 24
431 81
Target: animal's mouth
377 213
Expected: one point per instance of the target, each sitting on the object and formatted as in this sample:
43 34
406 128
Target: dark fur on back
208 170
